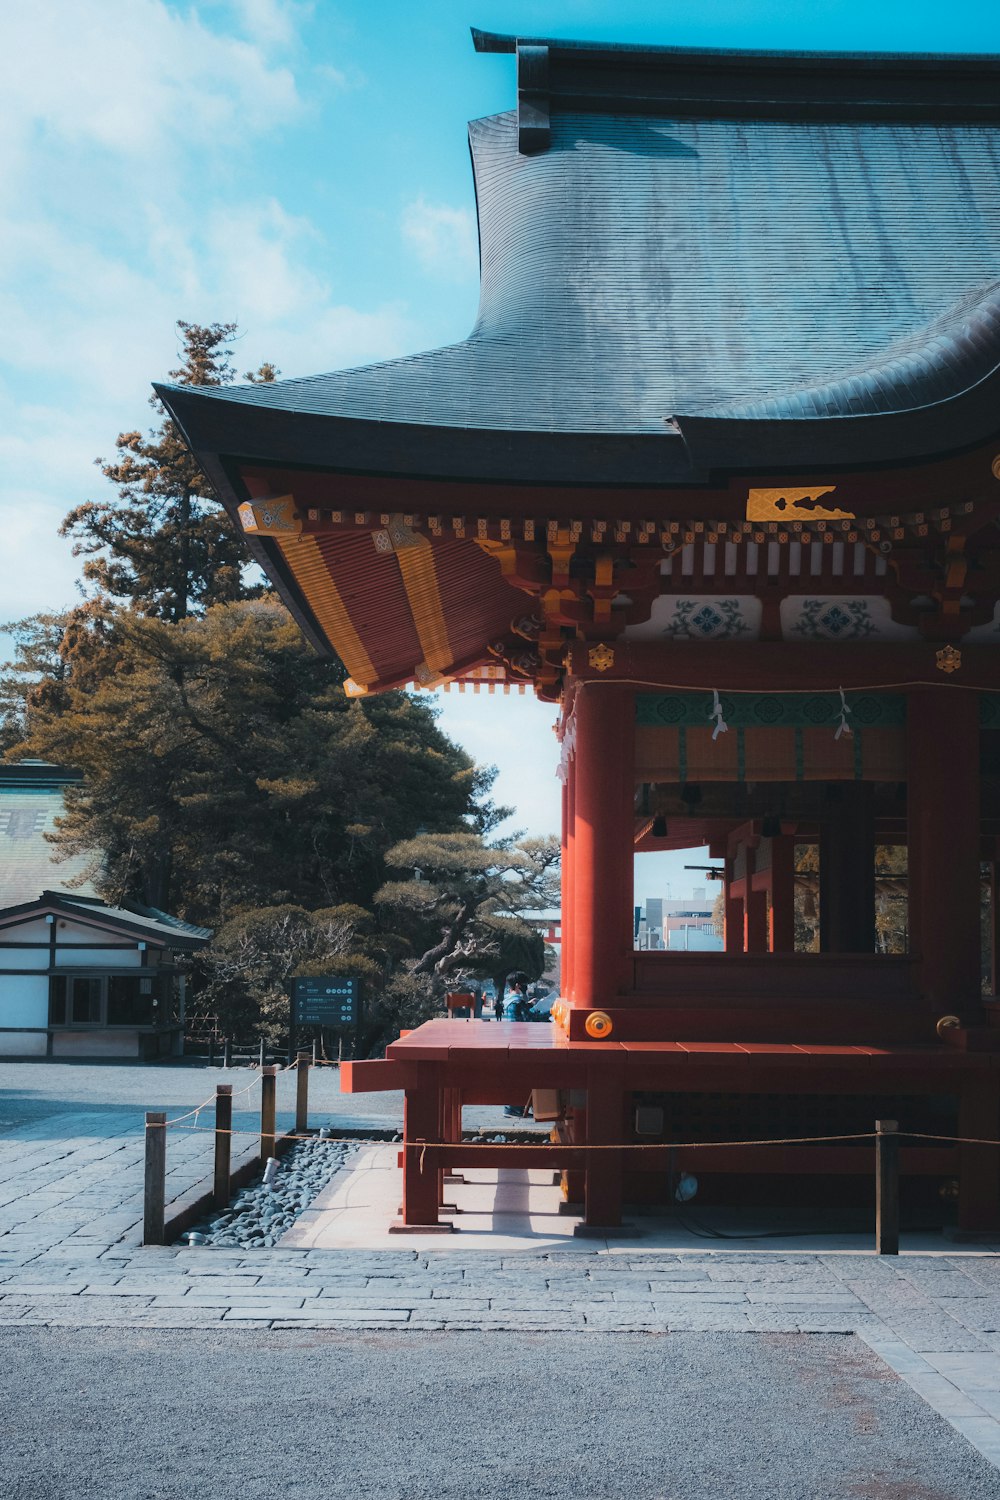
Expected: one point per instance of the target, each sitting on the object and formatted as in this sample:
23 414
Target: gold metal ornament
948 659
601 657
794 504
947 1023
598 1025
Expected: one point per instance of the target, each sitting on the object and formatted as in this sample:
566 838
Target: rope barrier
791 1140
196 1112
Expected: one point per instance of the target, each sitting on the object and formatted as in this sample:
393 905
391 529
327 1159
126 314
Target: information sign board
327 1000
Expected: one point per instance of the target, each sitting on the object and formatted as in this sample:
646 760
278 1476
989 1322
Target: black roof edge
690 82
14 773
498 42
221 433
215 427
71 905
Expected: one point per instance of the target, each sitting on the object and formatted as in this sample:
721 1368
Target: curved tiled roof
641 269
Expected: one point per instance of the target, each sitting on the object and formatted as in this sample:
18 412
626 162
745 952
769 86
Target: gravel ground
129 1415
260 1213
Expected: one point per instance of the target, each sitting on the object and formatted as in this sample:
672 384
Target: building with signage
718 471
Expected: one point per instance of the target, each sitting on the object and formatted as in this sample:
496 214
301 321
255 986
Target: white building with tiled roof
78 978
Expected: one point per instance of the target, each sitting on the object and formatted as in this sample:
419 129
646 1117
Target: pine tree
163 543
224 766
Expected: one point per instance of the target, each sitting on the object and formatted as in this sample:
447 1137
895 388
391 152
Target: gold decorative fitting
601 657
598 1025
996 467
270 515
947 1023
382 541
354 689
948 659
779 505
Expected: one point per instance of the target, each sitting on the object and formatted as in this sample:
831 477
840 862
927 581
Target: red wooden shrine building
717 470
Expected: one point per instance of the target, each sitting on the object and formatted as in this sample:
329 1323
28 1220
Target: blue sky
301 169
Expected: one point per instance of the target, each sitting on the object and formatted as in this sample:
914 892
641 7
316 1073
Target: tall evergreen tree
163 543
225 767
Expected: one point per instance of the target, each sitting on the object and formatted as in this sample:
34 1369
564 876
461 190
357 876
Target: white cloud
132 77
270 22
443 238
127 200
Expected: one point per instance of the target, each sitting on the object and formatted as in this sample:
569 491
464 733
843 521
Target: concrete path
69 1257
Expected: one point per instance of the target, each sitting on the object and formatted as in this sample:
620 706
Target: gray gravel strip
251 1416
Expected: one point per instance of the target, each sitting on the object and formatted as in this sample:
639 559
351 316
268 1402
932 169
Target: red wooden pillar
568 884
979 1166
782 934
942 733
734 915
755 932
847 870
602 1195
602 850
994 922
421 1117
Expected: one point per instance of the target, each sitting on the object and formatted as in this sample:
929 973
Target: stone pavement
70 1207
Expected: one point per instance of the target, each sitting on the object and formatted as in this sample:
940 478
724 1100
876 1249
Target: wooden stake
154 1198
302 1095
267 1111
223 1142
886 1187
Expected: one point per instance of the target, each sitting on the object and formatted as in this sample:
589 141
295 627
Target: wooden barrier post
267 1109
886 1187
261 1052
223 1142
154 1197
302 1094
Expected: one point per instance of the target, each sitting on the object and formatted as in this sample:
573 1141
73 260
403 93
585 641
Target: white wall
93 1043
36 931
24 1000
23 1043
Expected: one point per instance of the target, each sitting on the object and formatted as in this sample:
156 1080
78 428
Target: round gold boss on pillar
598 1025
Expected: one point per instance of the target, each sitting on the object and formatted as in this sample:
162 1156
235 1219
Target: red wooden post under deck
421 1116
605 1127
942 732
602 847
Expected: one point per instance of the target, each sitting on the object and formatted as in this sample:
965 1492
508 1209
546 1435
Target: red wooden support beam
786 666
943 809
602 848
421 1172
375 1075
979 1174
605 1127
